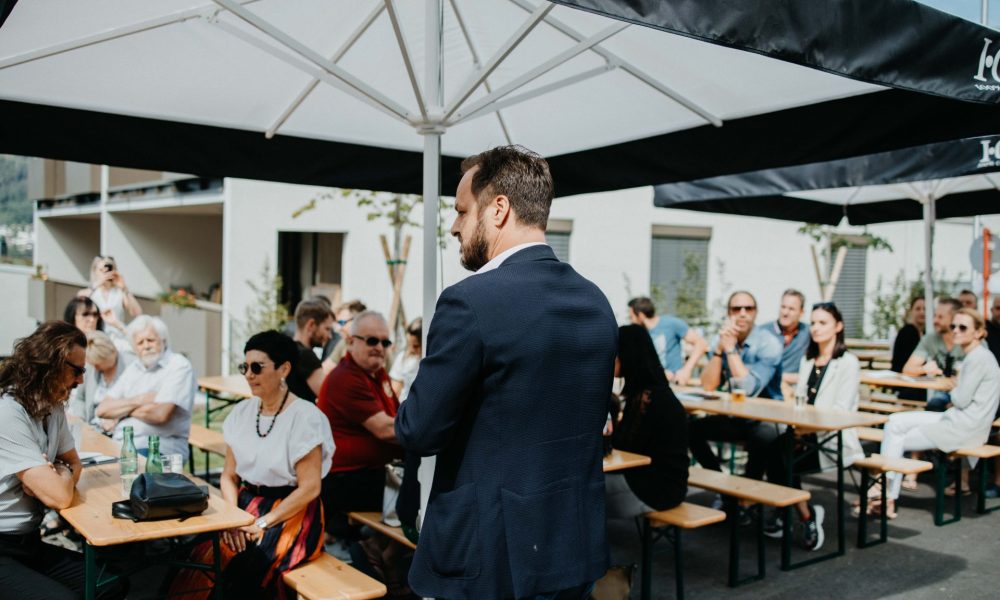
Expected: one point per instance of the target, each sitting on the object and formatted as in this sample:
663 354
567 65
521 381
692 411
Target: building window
849 294
557 235
309 263
678 278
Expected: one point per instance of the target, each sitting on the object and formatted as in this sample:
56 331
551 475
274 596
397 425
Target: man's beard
148 360
476 252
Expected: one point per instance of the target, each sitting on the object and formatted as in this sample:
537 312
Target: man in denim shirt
793 335
743 357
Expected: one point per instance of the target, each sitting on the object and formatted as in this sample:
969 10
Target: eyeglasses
374 341
89 313
742 308
77 371
254 367
824 305
343 322
959 327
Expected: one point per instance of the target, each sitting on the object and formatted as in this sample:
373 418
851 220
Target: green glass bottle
153 462
128 463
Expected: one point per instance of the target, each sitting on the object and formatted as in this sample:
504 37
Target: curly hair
33 373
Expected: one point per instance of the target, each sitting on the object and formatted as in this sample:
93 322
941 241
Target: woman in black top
653 423
906 342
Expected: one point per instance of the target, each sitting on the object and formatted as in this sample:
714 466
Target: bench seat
882 407
327 578
686 516
748 491
870 434
683 516
881 464
207 440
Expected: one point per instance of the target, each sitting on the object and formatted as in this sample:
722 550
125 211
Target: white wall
155 251
66 246
14 306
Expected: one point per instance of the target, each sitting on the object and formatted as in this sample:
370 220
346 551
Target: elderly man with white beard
155 394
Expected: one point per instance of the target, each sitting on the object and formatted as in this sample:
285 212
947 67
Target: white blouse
270 461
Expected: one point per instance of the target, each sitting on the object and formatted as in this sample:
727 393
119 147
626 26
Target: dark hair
518 173
914 300
355 306
277 346
795 294
33 372
952 302
643 305
416 327
73 307
968 292
311 310
641 367
738 292
840 346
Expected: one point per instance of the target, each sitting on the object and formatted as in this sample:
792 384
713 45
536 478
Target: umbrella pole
928 203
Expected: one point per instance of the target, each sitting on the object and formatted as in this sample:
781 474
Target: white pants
903 434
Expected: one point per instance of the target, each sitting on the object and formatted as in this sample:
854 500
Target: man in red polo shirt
358 400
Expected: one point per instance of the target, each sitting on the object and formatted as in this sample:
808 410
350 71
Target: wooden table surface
899 381
776 411
872 355
374 520
620 460
867 344
235 385
100 486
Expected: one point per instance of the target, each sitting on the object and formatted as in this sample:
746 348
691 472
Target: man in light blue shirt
668 332
745 357
793 335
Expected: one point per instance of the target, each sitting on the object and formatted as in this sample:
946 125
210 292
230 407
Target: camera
108 267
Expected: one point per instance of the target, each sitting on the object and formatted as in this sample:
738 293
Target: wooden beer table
228 389
90 514
883 379
827 424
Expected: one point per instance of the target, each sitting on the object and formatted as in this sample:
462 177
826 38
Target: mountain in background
15 208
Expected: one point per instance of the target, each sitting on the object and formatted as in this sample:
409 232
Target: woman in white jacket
829 377
967 422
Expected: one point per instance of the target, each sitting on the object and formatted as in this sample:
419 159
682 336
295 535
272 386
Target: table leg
217 591
841 513
89 572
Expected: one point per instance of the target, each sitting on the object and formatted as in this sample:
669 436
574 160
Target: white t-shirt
405 370
23 441
270 461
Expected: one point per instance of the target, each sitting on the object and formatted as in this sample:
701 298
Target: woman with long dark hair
653 423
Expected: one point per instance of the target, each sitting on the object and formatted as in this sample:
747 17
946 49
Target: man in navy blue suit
512 398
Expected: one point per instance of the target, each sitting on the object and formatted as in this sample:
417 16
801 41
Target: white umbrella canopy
360 93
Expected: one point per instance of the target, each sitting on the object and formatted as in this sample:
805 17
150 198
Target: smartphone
108 267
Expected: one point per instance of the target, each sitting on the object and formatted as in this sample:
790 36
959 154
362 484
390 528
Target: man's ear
499 210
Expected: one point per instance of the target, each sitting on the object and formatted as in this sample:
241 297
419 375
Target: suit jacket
837 391
512 398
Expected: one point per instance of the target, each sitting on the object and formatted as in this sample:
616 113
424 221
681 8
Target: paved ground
919 561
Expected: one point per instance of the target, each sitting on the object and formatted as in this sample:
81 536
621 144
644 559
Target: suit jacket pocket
544 532
451 533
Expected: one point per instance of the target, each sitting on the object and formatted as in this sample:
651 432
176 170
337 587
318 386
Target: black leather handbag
157 496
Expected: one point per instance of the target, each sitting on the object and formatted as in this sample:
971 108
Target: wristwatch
733 351
261 523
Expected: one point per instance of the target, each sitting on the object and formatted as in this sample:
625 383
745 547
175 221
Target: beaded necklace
260 407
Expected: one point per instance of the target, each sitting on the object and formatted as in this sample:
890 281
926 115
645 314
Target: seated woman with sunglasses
279 448
973 405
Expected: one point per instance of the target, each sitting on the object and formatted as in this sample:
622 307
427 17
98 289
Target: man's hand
727 339
682 376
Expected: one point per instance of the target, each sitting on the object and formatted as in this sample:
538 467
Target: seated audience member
358 400
40 463
344 315
906 342
278 449
155 394
668 332
794 337
744 357
82 312
968 299
937 354
106 366
313 325
108 291
654 424
967 422
404 368
829 376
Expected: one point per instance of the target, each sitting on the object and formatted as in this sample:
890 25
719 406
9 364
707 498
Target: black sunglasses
374 341
959 327
254 367
824 305
77 371
747 308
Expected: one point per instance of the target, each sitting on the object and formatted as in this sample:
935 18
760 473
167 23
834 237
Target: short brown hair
33 372
518 173
794 294
643 305
355 306
311 310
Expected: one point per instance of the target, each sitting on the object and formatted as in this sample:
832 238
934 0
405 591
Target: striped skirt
256 572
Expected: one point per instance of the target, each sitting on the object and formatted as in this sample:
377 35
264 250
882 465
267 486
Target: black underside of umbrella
965 204
895 43
875 122
771 207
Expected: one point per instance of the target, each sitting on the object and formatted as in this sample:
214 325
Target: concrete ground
920 560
